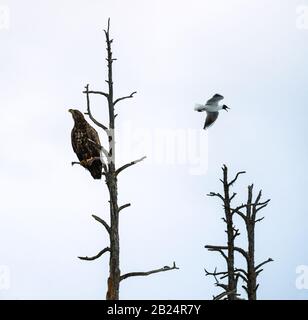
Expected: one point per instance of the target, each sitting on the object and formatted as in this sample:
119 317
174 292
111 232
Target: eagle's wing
94 151
215 99
74 140
211 117
78 138
93 136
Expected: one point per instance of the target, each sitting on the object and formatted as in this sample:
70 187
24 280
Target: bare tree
250 218
233 274
111 174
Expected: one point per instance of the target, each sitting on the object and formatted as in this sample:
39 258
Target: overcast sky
174 54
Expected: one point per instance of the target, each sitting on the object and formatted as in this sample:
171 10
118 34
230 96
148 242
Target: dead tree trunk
233 274
232 233
111 178
250 218
112 184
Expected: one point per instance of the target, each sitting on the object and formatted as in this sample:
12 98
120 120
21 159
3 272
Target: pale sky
174 54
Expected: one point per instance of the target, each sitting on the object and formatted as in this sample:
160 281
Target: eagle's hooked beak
70 110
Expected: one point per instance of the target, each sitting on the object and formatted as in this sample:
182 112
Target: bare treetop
248 212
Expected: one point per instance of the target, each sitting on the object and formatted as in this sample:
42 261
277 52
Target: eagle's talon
90 161
84 163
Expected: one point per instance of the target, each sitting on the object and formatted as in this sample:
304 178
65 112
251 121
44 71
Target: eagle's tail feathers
96 169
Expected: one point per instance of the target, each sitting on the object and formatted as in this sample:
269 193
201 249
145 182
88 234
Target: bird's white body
208 107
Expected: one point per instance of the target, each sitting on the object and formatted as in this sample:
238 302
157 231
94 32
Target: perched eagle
85 142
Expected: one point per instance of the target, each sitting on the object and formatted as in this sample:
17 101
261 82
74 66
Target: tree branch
232 197
126 97
97 92
89 162
242 277
218 248
214 194
262 203
89 113
258 197
138 274
245 288
237 175
97 256
103 222
241 270
236 232
263 263
221 285
241 214
214 273
128 165
76 162
262 206
124 206
211 248
226 293
258 220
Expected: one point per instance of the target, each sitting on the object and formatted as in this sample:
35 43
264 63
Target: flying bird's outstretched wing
210 119
215 99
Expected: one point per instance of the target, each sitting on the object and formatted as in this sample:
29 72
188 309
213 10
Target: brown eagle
85 142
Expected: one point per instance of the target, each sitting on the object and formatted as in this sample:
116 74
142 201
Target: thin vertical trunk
114 262
229 221
252 278
250 227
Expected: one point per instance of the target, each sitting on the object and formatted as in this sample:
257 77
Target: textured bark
250 228
112 183
230 235
114 261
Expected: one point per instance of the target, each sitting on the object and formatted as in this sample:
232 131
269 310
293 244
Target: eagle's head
77 115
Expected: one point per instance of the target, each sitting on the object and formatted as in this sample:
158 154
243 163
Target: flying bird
212 108
86 144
